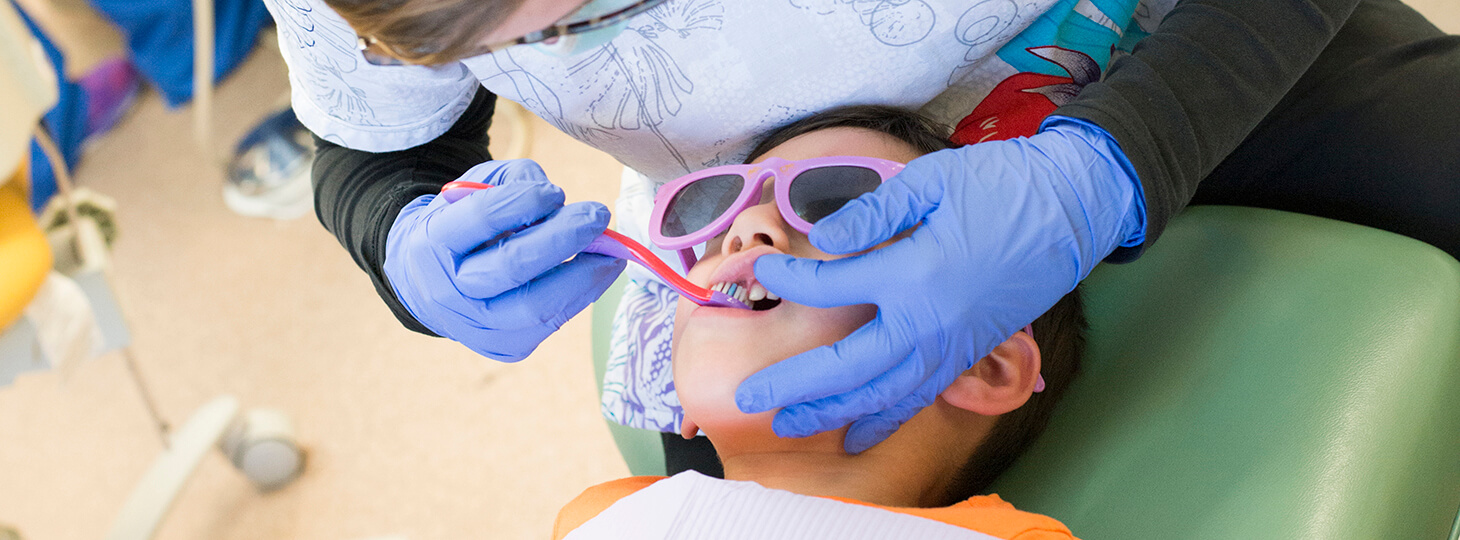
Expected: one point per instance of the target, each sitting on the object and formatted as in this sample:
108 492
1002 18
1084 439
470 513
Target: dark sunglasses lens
699 203
818 192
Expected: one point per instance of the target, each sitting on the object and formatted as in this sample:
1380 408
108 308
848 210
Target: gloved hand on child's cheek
1007 229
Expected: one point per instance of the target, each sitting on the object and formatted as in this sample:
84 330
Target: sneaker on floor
269 174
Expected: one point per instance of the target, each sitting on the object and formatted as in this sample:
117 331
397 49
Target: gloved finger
825 371
559 294
464 225
875 428
862 279
506 346
500 173
831 412
453 195
536 323
874 217
525 255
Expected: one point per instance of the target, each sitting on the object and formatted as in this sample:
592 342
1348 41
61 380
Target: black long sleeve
1188 94
357 195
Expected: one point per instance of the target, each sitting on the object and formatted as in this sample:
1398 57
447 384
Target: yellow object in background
27 91
23 247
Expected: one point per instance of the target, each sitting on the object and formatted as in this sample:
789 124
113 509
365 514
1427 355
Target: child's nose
759 225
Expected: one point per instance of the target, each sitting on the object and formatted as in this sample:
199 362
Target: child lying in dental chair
923 481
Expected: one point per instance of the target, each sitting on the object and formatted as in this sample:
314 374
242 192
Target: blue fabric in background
159 35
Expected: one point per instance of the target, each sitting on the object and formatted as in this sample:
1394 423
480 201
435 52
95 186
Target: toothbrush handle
615 244
608 245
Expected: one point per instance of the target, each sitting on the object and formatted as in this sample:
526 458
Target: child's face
717 348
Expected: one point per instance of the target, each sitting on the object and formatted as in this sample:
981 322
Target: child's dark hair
912 128
1060 332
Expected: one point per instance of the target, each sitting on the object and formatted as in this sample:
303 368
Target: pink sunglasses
699 206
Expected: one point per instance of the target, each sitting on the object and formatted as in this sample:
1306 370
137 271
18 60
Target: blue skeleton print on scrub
683 18
895 23
326 68
538 97
637 82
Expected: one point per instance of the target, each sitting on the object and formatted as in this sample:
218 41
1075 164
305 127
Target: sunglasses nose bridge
755 179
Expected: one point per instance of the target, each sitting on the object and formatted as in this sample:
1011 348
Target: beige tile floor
407 436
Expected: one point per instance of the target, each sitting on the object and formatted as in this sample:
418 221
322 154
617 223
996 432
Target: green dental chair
1257 374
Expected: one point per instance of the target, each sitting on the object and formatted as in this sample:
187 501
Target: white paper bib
690 505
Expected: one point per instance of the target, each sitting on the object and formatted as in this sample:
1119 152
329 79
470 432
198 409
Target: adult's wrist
1111 180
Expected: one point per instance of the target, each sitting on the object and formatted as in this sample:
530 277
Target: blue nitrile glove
488 270
1007 229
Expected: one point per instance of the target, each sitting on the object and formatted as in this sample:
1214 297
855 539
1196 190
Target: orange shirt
987 514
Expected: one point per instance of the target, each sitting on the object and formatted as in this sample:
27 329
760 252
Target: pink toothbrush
613 244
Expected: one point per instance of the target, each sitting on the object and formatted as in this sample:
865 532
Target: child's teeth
757 293
742 294
772 296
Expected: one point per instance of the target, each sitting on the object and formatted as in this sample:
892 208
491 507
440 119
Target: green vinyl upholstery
1260 374
1256 374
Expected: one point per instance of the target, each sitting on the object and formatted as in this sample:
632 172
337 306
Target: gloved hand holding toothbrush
488 270
1005 229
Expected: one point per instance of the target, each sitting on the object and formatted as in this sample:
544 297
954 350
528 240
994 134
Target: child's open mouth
762 305
735 277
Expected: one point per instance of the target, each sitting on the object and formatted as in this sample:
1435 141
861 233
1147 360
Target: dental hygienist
1330 107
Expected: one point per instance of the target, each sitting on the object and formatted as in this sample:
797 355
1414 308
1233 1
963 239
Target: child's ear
1001 381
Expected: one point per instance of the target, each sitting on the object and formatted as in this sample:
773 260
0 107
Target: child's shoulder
987 514
994 516
596 499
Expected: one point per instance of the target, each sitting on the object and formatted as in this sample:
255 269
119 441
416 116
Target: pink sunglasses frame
754 175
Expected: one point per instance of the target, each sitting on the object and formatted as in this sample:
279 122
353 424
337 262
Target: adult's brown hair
426 31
